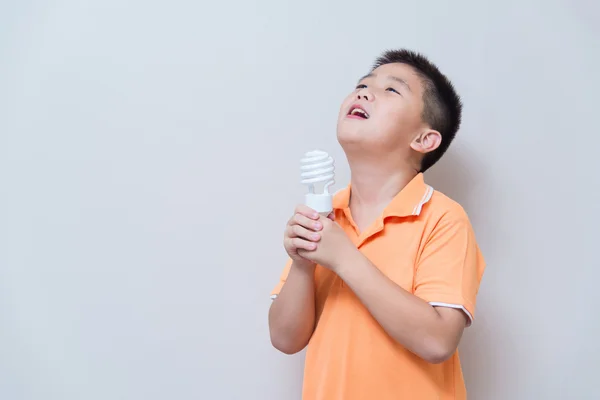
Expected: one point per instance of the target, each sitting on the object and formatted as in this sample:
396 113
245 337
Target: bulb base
321 203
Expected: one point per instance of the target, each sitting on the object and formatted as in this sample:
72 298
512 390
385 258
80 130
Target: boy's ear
427 141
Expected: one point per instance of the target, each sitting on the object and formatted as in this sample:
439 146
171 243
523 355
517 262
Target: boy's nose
364 94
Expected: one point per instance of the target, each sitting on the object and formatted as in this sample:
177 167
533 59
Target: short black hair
442 107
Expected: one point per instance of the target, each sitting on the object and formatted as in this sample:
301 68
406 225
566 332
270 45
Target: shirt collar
408 202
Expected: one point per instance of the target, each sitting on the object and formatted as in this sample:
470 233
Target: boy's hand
333 247
301 233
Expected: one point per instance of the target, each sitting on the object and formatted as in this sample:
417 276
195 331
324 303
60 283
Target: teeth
359 111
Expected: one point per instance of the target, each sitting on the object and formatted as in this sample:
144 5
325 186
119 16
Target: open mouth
357 111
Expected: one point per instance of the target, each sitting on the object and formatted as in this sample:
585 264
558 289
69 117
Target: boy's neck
373 188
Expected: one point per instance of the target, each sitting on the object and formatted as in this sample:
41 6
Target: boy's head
404 107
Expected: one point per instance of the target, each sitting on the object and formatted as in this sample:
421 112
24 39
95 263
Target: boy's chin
355 136
356 141
351 134
350 138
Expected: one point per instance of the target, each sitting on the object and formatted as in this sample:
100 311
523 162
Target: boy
382 290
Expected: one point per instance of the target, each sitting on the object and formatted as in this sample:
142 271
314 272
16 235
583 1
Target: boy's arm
431 333
292 313
431 321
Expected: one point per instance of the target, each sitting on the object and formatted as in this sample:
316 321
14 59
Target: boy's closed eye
390 89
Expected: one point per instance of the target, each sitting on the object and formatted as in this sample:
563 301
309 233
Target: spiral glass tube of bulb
317 167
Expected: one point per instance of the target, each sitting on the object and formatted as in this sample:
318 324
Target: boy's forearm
292 314
411 321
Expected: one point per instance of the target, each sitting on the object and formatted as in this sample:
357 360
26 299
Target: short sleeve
282 279
450 267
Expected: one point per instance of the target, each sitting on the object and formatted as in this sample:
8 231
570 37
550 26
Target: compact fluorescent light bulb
316 167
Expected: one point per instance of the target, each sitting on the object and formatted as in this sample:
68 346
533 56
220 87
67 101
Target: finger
303 221
326 221
304 254
331 216
307 212
296 231
301 244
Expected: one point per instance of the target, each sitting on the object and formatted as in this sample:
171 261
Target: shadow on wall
458 175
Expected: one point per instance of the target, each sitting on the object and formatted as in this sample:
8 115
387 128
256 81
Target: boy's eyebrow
391 77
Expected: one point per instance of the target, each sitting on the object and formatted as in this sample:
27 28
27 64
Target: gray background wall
149 160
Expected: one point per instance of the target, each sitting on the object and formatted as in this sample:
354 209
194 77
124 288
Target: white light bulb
317 168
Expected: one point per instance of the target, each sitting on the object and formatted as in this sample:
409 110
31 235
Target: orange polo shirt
423 242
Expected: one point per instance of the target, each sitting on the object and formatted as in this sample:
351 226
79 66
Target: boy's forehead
398 70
